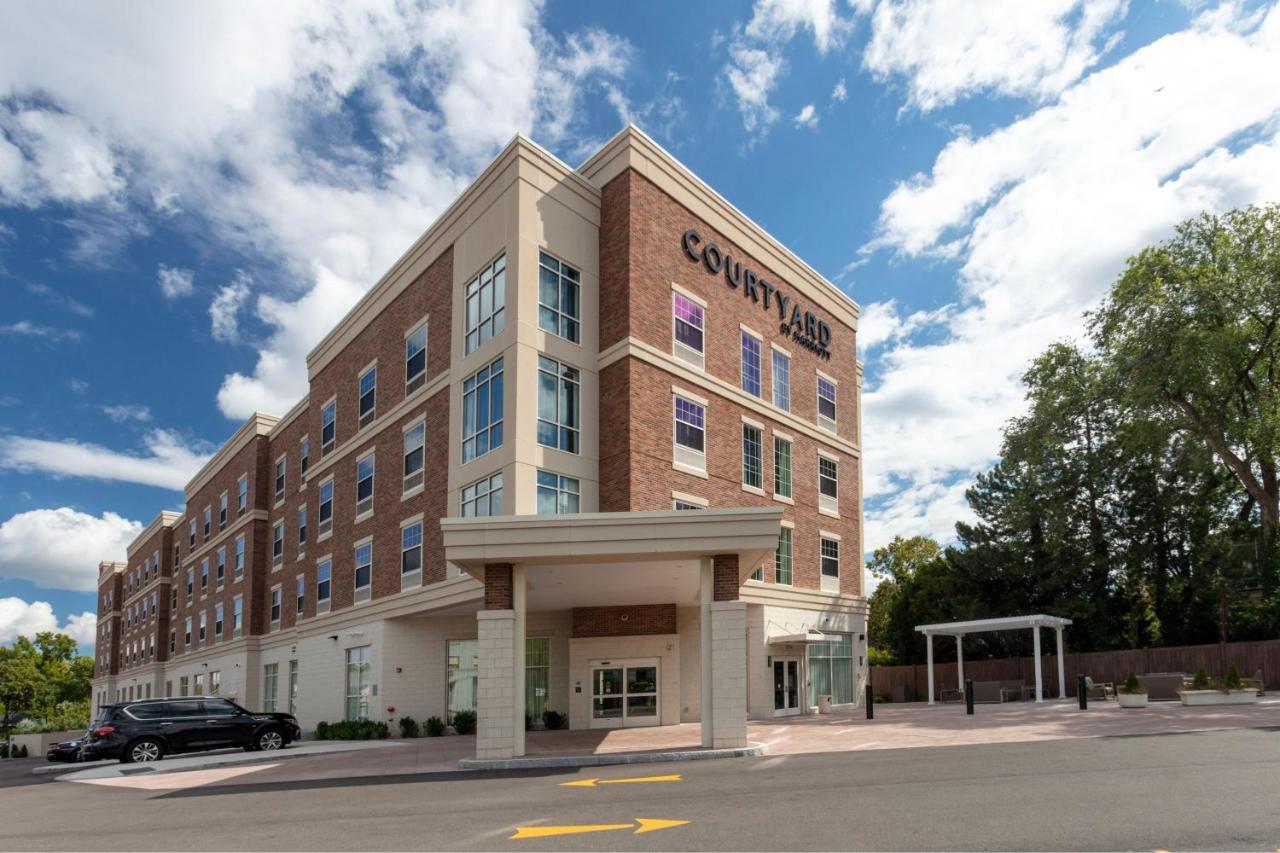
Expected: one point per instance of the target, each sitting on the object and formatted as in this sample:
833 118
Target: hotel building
592 446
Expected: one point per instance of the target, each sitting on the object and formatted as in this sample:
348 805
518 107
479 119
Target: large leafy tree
36 675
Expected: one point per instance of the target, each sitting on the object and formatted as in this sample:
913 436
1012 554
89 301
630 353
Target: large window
277 545
328 426
483 497
293 687
242 495
415 443
270 676
782 557
299 596
781 467
830 565
831 669
411 549
237 615
486 299
222 516
364 485
364 570
326 507
557 494
826 404
239 558
324 585
750 363
217 623
462 671
752 456
690 433
281 465
359 683
688 319
204 626
208 522
221 571
204 575
277 599
781 380
828 485
415 359
304 455
482 411
302 529
368 396
557 298
537 675
558 401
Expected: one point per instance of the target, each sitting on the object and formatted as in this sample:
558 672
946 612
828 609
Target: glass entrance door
624 693
786 686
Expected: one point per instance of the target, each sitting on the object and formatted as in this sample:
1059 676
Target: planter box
1132 700
38 744
1219 697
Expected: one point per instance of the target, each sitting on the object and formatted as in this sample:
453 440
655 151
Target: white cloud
224 311
28 329
125 412
27 618
175 281
780 20
78 386
1039 216
61 548
807 117
840 92
57 157
948 49
752 76
169 463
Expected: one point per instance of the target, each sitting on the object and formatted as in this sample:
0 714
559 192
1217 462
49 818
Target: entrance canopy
1006 623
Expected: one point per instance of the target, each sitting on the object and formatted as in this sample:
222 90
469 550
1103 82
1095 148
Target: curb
236 759
606 759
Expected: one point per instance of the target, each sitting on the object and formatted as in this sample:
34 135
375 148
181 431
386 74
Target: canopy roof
1004 623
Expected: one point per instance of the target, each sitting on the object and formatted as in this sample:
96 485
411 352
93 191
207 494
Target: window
690 433
537 675
300 595
486 299
368 396
276 598
752 456
186 636
482 411
239 557
222 511
277 545
281 465
483 497
217 622
364 485
415 359
557 494
558 400
193 533
208 522
324 580
242 494
415 443
828 485
304 455
191 582
184 686
364 570
204 619
831 669
237 615
830 565
328 426
688 320
781 467
557 298
750 363
326 507
359 683
215 683
293 687
302 529
411 549
781 380
826 404
269 675
204 575
782 557
463 676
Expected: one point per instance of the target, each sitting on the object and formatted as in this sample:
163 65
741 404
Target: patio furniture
951 694
1099 689
995 691
1163 686
1253 684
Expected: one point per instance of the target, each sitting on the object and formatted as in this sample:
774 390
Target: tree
36 676
902 557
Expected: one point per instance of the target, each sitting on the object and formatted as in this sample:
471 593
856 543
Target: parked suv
149 729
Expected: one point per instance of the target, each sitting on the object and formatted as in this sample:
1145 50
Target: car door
225 725
181 722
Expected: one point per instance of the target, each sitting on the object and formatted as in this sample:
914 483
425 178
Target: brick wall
725 578
628 621
498 592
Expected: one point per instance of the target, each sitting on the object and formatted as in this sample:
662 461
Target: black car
68 751
149 729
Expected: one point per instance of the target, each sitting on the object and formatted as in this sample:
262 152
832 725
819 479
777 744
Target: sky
191 195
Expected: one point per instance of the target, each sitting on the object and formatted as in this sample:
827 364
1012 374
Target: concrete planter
1132 700
1219 697
38 744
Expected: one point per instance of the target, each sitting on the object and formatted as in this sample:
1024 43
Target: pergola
1009 623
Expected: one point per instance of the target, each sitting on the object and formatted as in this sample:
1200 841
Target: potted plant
1132 694
1227 690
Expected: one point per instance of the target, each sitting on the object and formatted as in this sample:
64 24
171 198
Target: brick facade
725 581
625 621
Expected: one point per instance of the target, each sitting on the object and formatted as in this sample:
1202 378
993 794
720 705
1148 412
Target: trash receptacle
824 703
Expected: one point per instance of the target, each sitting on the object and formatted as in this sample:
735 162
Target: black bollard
1082 692
871 705
968 696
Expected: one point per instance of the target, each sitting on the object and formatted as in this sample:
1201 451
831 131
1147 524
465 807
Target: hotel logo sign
802 326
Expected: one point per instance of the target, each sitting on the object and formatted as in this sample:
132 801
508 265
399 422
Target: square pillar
1062 681
500 664
724 654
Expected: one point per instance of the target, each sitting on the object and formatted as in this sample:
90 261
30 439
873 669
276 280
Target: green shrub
20 751
464 722
4 749
1232 679
1200 681
435 727
554 720
1132 685
322 730
409 727
381 731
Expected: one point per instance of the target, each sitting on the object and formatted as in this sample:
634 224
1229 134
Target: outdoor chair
1099 689
1163 686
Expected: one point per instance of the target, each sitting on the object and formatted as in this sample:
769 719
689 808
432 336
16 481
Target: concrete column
928 652
1062 668
706 583
500 665
518 590
1035 644
960 661
724 654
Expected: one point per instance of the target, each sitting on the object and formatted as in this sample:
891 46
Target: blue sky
189 204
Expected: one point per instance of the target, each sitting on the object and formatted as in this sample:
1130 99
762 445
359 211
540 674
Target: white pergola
1009 623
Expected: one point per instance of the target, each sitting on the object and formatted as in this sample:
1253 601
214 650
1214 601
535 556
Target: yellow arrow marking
591 783
642 824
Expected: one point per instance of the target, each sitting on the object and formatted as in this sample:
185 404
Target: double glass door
624 693
786 686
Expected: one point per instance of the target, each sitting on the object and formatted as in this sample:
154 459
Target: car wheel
270 740
144 750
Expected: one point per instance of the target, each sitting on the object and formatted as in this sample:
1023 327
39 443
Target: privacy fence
911 683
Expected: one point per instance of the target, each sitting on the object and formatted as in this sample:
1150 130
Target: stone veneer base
607 759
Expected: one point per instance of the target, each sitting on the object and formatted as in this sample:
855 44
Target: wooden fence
911 683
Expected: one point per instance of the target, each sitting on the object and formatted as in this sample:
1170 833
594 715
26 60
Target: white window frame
277 545
223 505
299 596
685 458
324 527
787 497
560 490
791 556
775 352
495 320
241 558
413 482
363 418
280 477
691 502
487 495
746 332
304 460
362 593
828 504
828 582
364 507
303 521
326 447
237 616
824 422
758 428
275 602
685 353
323 605
219 612
417 380
208 522
411 579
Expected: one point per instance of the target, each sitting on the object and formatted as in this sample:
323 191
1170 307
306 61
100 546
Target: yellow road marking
641 824
591 783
